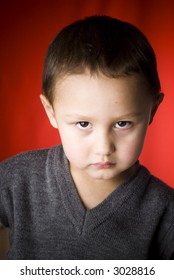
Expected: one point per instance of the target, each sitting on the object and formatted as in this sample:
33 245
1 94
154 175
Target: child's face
102 122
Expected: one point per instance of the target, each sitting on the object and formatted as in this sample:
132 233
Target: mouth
104 165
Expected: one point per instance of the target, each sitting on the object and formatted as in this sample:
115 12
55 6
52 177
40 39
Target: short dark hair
99 44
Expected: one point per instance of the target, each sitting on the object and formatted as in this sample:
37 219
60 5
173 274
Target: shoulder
160 190
162 196
27 163
26 157
157 196
26 178
148 185
23 160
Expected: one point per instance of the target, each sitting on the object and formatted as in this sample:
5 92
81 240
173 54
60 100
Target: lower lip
104 165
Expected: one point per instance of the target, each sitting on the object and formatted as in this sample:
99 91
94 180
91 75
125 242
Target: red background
27 27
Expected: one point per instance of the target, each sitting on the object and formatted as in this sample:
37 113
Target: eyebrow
80 116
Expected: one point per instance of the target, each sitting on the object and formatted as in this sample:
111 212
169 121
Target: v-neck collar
84 220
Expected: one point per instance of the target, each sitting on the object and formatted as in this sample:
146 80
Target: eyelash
79 125
128 124
86 125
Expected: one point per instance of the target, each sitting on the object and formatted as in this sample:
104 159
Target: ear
49 110
156 104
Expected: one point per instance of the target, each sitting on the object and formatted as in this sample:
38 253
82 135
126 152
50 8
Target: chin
103 176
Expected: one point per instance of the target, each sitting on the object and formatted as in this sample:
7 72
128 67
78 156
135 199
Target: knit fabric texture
47 220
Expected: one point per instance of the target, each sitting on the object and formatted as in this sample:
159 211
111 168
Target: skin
102 123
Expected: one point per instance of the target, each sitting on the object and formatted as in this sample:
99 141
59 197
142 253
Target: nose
105 144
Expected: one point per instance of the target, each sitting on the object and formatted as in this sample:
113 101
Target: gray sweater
40 205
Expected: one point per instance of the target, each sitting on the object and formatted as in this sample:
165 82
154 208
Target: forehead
99 97
98 87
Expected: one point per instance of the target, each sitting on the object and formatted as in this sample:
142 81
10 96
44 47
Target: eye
83 125
123 124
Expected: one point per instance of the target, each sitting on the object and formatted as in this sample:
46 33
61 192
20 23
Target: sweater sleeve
15 175
4 196
169 249
167 241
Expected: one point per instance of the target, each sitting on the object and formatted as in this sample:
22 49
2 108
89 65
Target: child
90 198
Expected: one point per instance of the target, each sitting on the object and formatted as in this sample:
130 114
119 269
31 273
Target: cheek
74 149
130 149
